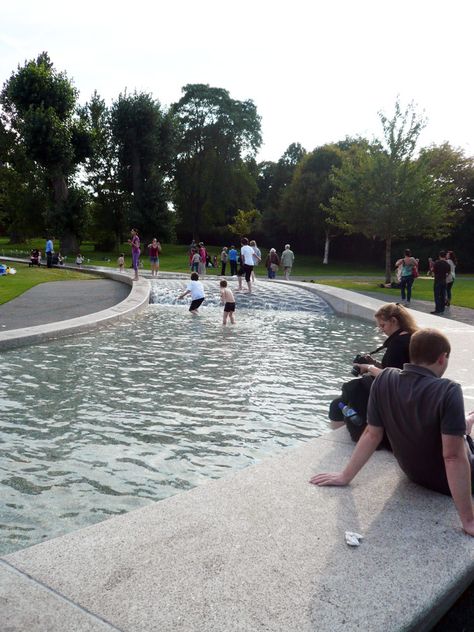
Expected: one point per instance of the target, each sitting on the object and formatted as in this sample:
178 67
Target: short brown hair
223 283
426 345
404 318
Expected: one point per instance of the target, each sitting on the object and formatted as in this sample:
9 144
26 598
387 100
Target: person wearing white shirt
196 289
246 264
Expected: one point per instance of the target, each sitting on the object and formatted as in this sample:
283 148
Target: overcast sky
317 71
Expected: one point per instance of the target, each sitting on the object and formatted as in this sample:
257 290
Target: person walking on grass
196 289
233 261
452 261
407 265
49 250
286 260
441 270
224 259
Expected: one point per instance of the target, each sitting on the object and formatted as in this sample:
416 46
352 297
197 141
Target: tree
245 223
218 137
383 192
144 136
23 190
309 192
110 202
273 179
39 105
455 171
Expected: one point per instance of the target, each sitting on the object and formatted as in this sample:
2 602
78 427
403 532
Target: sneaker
436 312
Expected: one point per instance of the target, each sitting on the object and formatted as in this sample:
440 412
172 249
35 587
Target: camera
361 358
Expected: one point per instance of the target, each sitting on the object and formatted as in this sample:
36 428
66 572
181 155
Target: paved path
61 300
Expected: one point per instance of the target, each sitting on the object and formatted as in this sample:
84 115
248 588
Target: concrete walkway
61 300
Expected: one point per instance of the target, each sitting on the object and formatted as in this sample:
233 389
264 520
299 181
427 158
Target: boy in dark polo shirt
441 269
423 416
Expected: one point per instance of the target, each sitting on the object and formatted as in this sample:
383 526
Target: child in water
196 289
121 262
228 299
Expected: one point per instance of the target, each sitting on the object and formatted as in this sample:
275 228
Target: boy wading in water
196 289
229 303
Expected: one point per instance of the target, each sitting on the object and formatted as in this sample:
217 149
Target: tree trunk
326 248
388 260
69 244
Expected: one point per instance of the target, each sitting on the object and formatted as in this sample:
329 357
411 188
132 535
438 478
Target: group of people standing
272 261
443 271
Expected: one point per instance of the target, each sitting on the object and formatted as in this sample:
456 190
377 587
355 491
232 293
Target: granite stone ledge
40 609
263 549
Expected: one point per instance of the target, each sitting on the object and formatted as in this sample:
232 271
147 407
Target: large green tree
23 190
273 178
39 105
384 192
309 192
110 201
218 138
144 136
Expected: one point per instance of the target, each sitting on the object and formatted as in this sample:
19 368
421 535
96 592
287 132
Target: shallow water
107 422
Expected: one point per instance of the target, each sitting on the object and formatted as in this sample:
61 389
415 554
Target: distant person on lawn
441 270
286 260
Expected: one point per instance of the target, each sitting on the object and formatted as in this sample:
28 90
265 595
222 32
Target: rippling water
105 423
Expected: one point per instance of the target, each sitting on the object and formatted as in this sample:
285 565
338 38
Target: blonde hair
404 318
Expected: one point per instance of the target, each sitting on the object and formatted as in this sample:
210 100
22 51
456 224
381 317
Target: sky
317 71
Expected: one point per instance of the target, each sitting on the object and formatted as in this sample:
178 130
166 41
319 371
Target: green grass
12 285
174 258
463 289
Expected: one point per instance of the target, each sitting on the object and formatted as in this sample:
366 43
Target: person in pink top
135 243
203 256
154 250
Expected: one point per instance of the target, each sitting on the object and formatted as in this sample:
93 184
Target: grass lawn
174 258
12 285
463 289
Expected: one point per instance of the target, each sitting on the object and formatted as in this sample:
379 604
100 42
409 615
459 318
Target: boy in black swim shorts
228 299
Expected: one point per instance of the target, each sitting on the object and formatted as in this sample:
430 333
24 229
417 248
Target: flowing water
106 422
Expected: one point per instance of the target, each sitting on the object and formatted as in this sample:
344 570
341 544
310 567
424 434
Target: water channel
104 423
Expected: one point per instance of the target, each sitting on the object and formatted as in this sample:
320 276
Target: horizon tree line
189 171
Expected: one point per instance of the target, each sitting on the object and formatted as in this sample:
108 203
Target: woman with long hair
397 323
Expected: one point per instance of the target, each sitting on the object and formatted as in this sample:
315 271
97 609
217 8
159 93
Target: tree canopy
39 105
218 138
384 192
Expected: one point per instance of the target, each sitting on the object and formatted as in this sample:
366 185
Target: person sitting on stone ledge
423 416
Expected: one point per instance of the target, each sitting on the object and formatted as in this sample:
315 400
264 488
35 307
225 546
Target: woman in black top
398 325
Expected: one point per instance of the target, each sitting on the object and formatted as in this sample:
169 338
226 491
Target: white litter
353 539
